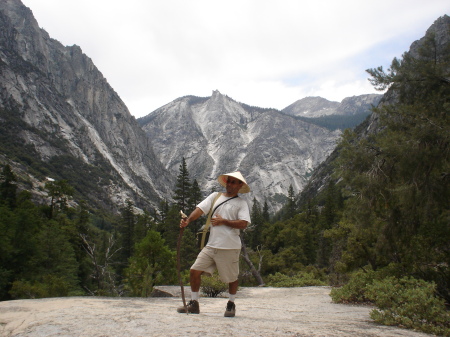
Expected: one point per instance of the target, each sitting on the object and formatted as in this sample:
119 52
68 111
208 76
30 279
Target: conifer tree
8 187
195 197
172 227
290 207
265 212
152 263
163 210
183 186
60 193
189 249
126 230
255 230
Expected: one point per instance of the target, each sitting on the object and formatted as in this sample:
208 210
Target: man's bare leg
230 311
195 280
233 287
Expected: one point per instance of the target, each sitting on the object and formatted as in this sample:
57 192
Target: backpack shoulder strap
208 220
211 211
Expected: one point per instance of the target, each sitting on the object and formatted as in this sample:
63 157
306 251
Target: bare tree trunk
255 272
102 273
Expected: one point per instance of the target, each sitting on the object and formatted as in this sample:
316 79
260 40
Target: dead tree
102 273
255 272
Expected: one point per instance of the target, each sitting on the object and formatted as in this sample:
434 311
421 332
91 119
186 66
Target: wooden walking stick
180 235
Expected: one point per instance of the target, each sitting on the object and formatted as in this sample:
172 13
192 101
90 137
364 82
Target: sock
232 297
194 296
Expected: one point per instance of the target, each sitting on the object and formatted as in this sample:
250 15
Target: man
224 244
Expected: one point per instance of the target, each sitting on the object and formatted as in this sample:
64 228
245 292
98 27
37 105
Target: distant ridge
318 107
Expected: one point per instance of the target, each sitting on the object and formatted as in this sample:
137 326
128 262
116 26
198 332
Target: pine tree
290 208
8 187
171 227
255 231
265 213
126 230
163 210
152 263
60 193
195 197
183 186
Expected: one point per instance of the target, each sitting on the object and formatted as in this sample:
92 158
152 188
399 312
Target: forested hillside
381 225
61 248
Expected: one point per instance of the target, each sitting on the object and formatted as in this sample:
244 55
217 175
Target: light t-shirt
225 237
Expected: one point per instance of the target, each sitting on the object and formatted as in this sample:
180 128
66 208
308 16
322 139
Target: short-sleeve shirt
225 237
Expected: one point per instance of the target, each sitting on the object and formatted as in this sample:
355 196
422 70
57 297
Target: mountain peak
311 107
218 134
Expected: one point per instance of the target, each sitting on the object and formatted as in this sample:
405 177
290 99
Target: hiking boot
230 311
193 307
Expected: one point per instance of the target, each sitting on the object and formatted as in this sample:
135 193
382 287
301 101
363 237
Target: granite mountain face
318 106
217 134
60 105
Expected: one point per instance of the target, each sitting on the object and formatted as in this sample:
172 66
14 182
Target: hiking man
224 244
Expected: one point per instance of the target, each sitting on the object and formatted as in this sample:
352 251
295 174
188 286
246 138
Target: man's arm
196 213
218 221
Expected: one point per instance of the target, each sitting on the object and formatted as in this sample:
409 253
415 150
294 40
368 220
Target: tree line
60 248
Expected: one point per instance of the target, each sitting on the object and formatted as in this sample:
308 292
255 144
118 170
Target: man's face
233 185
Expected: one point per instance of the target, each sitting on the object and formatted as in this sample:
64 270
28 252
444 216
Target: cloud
258 52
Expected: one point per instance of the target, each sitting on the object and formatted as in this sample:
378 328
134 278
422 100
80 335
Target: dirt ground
263 311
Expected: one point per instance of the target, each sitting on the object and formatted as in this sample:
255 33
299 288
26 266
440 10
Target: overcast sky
258 52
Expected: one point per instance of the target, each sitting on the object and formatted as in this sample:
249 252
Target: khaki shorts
226 261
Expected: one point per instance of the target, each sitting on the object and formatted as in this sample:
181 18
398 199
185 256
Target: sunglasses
234 182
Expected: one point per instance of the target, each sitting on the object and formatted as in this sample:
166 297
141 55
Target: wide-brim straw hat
223 181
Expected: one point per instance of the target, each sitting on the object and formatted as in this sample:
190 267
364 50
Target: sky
265 53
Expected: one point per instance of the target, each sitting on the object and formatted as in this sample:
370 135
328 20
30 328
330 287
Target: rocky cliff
67 109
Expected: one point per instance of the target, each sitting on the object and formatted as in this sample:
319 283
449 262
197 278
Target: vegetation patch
405 302
301 279
212 286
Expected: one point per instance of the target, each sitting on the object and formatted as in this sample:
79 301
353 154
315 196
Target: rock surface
259 312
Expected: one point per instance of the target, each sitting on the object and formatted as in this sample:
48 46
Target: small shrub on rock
212 286
355 290
301 279
409 303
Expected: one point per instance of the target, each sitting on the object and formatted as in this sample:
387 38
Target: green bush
51 286
152 263
355 290
25 289
409 303
301 279
212 286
